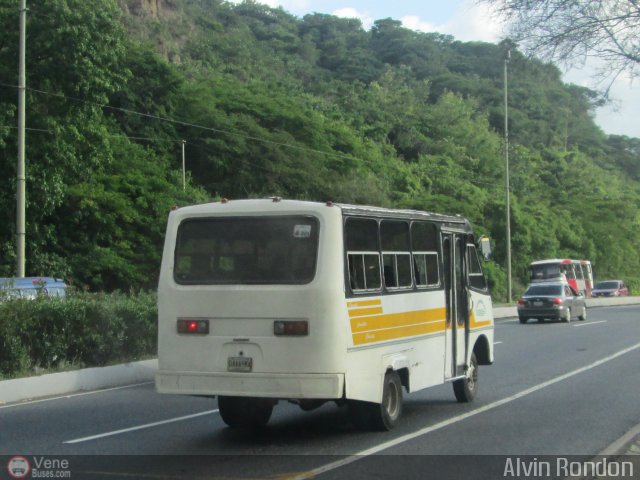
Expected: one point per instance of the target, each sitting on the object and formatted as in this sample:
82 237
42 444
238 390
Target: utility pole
184 173
506 164
21 174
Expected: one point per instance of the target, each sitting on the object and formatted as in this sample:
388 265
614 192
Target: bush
84 330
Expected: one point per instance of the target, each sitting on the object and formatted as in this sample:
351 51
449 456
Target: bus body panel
405 331
241 322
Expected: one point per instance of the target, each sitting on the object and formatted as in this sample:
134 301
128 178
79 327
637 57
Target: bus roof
558 260
279 205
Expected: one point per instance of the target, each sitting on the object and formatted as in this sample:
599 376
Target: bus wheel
466 389
380 416
243 412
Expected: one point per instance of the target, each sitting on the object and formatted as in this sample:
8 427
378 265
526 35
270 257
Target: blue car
31 287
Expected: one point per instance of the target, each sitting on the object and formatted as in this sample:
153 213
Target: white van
262 300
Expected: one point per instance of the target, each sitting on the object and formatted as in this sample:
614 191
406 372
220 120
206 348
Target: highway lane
588 405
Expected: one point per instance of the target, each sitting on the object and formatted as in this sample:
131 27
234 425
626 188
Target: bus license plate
239 364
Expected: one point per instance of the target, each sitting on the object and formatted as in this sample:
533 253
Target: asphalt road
555 389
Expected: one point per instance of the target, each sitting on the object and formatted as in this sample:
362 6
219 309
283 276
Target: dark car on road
610 288
557 301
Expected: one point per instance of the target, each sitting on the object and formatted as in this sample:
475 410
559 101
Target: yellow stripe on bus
395 333
394 320
364 303
363 312
474 324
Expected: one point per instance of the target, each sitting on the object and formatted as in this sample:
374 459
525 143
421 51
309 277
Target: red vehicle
577 273
610 288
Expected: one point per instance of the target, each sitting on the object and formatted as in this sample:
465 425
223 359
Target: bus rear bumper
265 385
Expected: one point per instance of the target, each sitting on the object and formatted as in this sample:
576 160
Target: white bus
268 300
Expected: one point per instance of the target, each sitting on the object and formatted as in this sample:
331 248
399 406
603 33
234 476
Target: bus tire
380 416
466 389
244 412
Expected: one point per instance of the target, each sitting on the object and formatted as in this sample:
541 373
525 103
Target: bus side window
476 277
424 243
356 272
396 254
363 255
569 272
578 269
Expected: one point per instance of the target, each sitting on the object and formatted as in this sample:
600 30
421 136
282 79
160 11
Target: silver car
558 301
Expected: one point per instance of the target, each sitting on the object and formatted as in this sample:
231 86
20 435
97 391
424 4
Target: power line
27 128
202 127
186 124
199 146
114 135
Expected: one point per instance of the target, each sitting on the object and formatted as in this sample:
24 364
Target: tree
568 31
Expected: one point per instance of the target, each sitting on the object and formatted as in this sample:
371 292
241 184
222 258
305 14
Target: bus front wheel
380 416
244 412
467 388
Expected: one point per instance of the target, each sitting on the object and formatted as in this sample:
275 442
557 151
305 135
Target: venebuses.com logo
18 467
38 467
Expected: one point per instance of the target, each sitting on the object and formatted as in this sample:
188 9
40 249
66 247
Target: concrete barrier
20 389
63 383
612 301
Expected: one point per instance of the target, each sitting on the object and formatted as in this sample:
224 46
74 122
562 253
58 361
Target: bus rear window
545 272
246 250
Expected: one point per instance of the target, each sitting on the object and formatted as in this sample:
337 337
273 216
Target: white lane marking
616 447
81 394
588 323
497 343
410 436
140 427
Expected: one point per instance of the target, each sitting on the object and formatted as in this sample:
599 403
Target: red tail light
558 301
291 327
521 302
193 326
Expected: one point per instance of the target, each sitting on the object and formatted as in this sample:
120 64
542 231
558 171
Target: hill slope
313 108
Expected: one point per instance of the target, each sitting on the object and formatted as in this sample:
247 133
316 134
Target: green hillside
313 108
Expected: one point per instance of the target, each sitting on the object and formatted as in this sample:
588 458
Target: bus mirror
485 246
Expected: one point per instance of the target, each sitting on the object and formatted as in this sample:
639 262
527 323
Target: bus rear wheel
466 389
244 412
380 416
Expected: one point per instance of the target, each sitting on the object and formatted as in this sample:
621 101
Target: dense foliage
314 108
81 330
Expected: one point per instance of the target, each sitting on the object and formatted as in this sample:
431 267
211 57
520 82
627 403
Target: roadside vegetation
83 330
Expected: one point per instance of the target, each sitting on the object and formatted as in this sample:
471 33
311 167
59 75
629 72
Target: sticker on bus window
302 231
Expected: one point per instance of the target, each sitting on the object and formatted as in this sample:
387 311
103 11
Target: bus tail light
291 327
193 326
